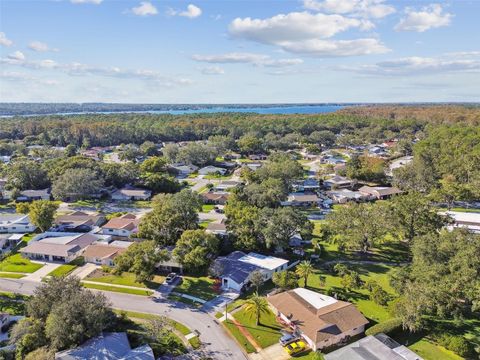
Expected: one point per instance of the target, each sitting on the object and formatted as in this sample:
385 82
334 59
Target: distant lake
185 109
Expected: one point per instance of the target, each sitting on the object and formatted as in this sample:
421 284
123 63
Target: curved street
217 343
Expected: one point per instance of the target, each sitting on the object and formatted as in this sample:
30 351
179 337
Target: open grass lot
118 289
242 340
266 333
11 275
201 287
16 263
126 279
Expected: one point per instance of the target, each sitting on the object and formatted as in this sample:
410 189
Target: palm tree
303 270
256 305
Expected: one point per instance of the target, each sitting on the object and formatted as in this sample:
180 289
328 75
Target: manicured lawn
207 207
430 351
174 297
201 287
127 279
118 289
266 333
203 224
16 263
62 270
217 177
242 340
28 237
144 316
11 276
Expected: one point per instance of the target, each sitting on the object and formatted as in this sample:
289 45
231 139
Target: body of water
199 109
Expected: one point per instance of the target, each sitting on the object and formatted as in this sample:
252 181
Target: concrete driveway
217 343
276 352
83 271
38 275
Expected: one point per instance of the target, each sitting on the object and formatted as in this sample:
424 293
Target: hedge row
385 327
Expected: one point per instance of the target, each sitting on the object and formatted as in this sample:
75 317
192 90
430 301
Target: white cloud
191 12
429 17
16 56
246 58
4 40
212 70
306 33
23 77
40 46
95 2
79 69
375 9
416 65
145 9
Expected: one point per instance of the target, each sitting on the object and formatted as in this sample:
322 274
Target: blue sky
239 51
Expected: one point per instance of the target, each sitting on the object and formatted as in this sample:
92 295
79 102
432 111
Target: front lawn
62 270
126 279
118 289
207 207
11 276
201 287
266 333
217 177
16 263
237 334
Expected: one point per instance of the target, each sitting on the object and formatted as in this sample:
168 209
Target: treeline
115 129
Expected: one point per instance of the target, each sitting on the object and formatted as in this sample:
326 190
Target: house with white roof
468 220
15 223
207 170
236 268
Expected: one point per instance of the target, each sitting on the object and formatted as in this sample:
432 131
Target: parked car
171 278
295 347
287 339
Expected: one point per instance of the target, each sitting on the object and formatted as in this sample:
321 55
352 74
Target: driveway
165 289
217 343
276 352
38 275
83 271
217 304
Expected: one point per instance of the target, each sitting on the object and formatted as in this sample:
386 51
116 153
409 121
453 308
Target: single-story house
130 193
212 170
10 240
217 198
107 346
32 195
226 184
184 170
321 320
15 223
378 347
343 196
79 221
307 185
338 182
333 160
469 220
105 254
235 268
254 166
171 264
124 226
379 192
257 157
56 246
398 163
302 199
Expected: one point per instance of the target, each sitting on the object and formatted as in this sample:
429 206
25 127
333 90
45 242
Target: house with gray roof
235 269
107 346
15 223
378 347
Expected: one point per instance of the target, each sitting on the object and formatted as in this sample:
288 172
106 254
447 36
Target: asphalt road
217 343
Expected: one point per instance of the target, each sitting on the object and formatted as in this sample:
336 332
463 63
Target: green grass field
242 340
266 333
201 287
118 289
207 207
126 279
11 276
16 263
62 270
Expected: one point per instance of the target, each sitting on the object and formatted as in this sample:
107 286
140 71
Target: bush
457 344
385 327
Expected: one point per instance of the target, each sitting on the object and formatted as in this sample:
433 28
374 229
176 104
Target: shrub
386 327
457 344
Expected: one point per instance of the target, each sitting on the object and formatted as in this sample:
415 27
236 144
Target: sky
239 51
